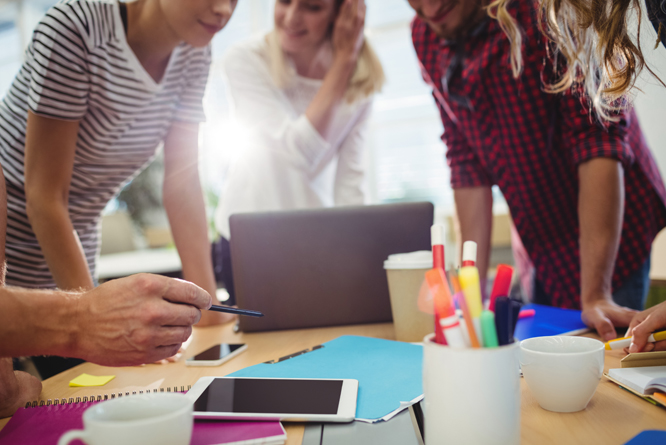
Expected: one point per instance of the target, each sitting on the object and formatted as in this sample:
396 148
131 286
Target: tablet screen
270 396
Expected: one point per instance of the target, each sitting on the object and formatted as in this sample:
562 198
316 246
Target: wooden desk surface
612 417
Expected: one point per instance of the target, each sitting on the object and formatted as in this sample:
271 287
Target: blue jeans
631 294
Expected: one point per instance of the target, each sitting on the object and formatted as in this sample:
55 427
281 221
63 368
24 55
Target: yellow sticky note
91 380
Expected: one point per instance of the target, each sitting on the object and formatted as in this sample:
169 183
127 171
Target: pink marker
469 254
526 313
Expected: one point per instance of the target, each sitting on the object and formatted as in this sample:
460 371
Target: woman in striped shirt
104 84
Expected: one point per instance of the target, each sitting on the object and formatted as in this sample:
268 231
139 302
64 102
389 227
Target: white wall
650 102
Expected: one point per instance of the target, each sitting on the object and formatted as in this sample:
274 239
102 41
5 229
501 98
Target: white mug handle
71 435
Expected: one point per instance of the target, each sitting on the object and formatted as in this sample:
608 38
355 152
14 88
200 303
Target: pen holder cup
472 396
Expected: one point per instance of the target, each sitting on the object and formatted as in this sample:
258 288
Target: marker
469 254
625 342
437 242
515 313
503 321
488 327
467 317
233 310
454 282
445 311
502 284
463 328
469 281
526 313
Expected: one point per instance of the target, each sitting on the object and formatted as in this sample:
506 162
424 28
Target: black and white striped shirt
79 66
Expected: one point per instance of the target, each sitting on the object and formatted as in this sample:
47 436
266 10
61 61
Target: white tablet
293 400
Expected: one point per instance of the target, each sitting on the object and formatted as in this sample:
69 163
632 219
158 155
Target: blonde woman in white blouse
304 94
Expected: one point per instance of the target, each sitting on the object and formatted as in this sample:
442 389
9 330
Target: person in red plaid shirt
585 194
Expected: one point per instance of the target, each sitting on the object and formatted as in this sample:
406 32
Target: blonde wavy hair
592 37
368 77
497 9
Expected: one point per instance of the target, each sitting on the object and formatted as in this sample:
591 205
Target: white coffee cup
562 372
164 418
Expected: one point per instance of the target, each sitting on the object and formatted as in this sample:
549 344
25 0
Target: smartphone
216 355
294 400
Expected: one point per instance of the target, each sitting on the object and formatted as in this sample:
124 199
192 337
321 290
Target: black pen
233 310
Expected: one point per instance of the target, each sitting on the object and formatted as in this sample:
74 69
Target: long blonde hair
368 77
497 9
593 39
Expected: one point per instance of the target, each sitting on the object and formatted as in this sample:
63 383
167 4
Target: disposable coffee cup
472 396
405 273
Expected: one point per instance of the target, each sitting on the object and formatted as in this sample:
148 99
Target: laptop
321 267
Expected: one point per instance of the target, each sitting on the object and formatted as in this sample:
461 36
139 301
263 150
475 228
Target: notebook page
638 379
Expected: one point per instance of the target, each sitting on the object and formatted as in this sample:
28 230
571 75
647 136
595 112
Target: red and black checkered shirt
509 132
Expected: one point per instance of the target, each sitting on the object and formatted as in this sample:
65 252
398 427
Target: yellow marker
625 342
469 282
91 380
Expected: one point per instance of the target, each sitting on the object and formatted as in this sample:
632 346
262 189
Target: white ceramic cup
164 418
562 372
472 396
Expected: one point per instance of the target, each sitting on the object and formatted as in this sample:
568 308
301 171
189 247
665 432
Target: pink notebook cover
45 424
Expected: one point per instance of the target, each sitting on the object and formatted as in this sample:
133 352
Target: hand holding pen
642 326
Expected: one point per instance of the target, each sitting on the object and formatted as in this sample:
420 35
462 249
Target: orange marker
445 311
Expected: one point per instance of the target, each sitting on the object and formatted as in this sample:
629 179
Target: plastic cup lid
421 259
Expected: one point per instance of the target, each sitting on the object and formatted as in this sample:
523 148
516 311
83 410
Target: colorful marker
526 313
625 342
463 328
503 322
469 281
445 311
467 317
437 243
488 328
502 284
469 254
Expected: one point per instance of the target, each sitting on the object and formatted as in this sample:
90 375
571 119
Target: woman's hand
348 30
645 323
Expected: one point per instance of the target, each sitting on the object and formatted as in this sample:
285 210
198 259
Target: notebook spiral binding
100 397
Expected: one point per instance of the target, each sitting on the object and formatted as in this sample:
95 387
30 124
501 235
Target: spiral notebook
43 423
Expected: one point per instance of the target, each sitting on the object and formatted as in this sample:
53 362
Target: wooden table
612 417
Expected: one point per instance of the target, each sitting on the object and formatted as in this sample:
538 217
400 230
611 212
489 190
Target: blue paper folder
649 437
388 372
549 320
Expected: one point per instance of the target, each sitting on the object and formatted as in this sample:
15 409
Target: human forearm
124 322
59 243
474 206
187 217
321 110
37 322
600 212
